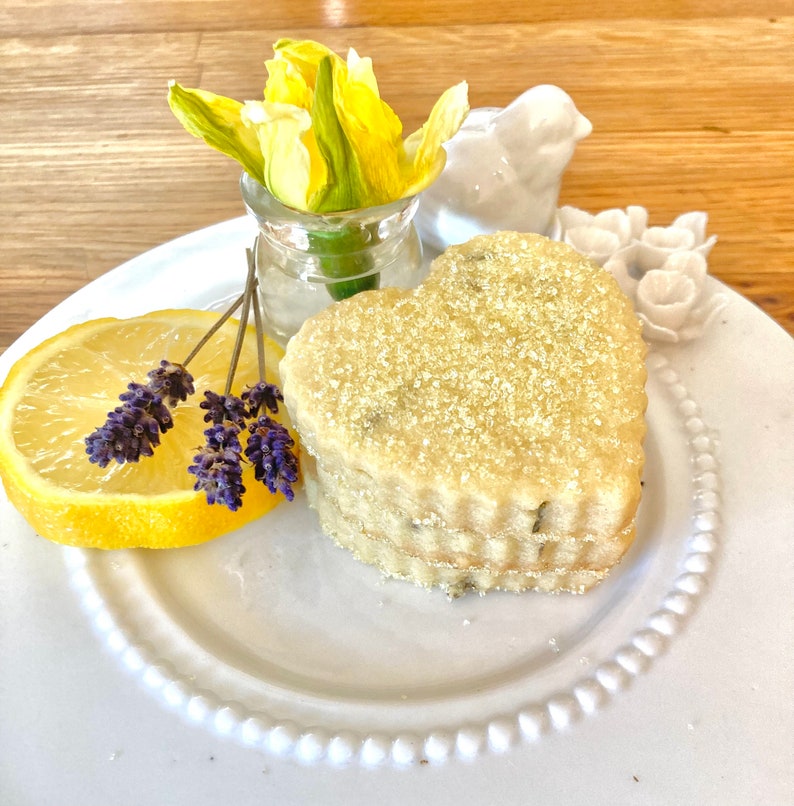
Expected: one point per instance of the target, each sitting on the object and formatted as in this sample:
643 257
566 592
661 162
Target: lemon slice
63 389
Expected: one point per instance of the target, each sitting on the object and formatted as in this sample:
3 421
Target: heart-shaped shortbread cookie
483 430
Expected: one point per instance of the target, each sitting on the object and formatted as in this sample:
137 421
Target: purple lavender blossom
221 408
131 430
217 467
172 381
269 449
263 394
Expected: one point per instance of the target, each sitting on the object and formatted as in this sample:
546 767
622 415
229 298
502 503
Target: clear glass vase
306 261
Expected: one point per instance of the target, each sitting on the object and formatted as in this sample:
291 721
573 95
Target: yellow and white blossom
322 139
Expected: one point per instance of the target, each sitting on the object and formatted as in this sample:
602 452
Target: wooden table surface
692 106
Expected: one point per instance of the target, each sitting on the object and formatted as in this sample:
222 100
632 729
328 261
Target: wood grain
691 105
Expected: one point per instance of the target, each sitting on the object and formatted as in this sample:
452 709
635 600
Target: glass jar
306 261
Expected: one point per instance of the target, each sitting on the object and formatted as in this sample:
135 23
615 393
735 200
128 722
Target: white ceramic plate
275 643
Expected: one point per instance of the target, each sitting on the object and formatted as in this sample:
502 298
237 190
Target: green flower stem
345 253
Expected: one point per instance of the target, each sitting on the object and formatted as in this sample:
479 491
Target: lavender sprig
269 449
269 445
217 467
131 430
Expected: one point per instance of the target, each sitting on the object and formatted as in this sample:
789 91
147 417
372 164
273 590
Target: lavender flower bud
269 449
263 394
217 467
131 430
221 408
172 381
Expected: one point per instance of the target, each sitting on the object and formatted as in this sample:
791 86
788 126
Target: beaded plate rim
526 722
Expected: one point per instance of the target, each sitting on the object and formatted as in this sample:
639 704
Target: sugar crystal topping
516 360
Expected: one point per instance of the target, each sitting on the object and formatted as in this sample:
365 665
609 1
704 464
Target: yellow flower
322 139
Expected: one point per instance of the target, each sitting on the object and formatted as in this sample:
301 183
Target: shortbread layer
514 547
461 561
394 561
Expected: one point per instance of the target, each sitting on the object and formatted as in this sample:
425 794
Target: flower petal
690 263
658 243
594 242
372 129
670 238
304 55
287 85
638 216
666 298
702 315
280 128
424 156
216 120
695 222
653 332
571 217
345 189
615 221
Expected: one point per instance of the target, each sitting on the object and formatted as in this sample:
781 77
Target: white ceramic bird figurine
504 169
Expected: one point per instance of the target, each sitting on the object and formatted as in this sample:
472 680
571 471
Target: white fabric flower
686 234
672 302
662 270
600 236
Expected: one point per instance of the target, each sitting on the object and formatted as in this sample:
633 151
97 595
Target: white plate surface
271 650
